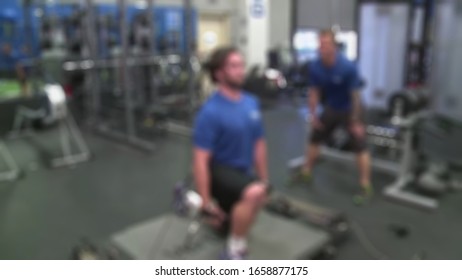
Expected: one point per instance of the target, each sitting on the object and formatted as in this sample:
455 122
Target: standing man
335 80
229 146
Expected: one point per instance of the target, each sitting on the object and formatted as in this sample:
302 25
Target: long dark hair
217 60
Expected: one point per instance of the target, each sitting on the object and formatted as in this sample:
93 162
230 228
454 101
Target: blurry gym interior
97 100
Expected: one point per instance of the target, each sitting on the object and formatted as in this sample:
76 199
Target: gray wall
325 13
280 22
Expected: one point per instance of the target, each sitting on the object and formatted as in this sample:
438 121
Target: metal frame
126 85
293 25
68 132
129 136
90 35
88 64
396 191
188 21
174 126
13 172
67 128
154 89
23 116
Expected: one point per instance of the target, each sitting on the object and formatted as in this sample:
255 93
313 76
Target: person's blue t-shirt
335 83
229 130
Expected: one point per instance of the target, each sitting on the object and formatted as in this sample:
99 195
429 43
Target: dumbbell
403 103
382 131
282 207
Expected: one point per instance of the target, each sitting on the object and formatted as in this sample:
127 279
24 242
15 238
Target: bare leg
245 211
242 218
312 154
363 160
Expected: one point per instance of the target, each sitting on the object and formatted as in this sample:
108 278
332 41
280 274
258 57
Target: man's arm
261 164
204 136
202 180
202 174
356 103
313 101
20 72
355 89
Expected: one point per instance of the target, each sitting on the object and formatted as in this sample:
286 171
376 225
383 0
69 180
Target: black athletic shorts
228 185
331 119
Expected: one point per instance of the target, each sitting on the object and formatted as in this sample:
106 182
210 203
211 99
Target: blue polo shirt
229 129
335 83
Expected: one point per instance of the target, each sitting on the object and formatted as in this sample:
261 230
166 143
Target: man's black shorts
330 120
228 185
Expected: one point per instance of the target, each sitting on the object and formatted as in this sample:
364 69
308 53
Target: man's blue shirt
229 130
335 83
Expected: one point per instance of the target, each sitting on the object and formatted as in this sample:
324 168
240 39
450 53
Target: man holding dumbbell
334 79
229 145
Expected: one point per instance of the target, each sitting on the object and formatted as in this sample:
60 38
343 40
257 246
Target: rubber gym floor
45 213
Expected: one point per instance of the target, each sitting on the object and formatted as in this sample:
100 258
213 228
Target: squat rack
91 65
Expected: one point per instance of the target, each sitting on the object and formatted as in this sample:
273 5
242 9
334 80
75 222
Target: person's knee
358 132
256 194
316 138
359 145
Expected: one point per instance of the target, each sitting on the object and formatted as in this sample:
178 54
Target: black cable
365 242
370 248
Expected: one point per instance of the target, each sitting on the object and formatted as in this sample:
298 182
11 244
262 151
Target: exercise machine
427 177
54 111
406 175
12 172
165 87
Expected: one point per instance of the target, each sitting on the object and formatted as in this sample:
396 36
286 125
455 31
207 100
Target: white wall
325 13
239 25
383 51
253 35
280 22
258 34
